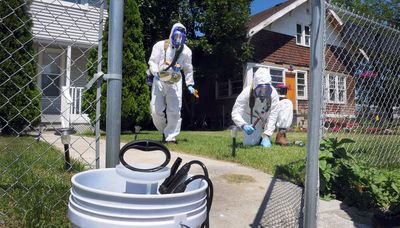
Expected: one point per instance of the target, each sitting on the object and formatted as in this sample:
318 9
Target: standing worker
257 101
167 61
285 115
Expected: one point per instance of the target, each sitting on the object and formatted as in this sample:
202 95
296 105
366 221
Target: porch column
66 100
68 70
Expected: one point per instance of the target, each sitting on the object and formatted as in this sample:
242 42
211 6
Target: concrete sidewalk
243 197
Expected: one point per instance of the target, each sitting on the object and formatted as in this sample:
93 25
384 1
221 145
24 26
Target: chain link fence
45 57
362 86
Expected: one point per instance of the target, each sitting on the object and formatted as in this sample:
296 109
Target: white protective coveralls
165 96
285 113
241 109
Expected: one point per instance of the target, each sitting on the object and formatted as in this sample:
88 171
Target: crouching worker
285 115
254 109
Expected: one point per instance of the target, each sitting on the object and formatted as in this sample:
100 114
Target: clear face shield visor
178 38
263 91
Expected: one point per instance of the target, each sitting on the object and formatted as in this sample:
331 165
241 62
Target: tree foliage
224 27
216 32
135 92
19 96
384 10
158 16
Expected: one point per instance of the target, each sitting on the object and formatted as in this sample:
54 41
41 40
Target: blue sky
260 5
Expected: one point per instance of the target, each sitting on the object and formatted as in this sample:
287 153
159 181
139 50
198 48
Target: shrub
344 178
135 107
20 98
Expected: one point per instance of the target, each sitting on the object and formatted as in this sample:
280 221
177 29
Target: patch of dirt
234 178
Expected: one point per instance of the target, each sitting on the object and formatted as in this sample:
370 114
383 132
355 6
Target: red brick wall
279 48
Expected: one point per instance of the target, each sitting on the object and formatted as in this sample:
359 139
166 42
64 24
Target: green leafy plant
332 159
385 187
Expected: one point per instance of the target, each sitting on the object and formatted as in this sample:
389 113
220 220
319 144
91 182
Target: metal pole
233 147
98 91
314 114
114 82
67 160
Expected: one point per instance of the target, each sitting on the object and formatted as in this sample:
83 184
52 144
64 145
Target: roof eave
274 17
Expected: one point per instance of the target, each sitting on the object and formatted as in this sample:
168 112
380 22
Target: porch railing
76 95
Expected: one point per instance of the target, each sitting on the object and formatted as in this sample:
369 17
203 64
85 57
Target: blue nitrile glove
266 143
248 129
157 76
191 89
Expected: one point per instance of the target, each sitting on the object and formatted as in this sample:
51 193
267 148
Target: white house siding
287 24
301 15
56 21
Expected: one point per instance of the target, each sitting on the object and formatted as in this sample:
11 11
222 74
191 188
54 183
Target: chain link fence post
313 138
98 89
114 83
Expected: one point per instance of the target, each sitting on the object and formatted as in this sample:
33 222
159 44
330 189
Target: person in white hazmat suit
285 115
245 114
166 91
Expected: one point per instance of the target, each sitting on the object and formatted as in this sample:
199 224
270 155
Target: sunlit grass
34 187
218 145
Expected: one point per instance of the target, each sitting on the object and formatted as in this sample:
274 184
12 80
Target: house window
336 89
277 76
301 85
299 34
51 74
236 87
303 35
228 89
307 35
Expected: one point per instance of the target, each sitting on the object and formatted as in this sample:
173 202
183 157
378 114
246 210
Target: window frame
305 73
299 34
303 34
280 69
307 36
230 89
336 89
61 55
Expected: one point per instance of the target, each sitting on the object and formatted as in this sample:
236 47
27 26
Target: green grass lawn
218 145
381 151
34 188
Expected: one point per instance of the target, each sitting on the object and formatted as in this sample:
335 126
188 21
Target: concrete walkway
243 197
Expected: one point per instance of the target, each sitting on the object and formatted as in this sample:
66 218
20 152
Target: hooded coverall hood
261 76
176 25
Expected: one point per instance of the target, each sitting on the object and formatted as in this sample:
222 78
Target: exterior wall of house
287 24
65 22
216 111
302 15
57 25
280 49
51 105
